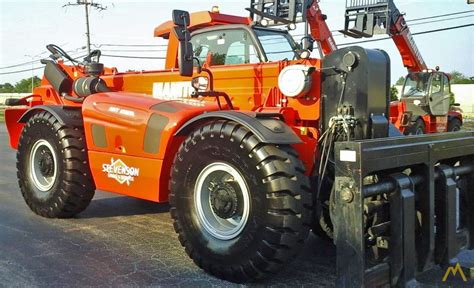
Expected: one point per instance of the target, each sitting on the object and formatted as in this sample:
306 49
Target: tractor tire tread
289 209
77 186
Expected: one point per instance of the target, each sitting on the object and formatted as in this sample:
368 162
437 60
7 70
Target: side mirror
185 55
181 18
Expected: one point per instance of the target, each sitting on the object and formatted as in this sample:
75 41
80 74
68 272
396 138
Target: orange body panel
108 172
116 125
14 128
248 85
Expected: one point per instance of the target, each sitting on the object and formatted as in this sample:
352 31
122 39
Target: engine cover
357 80
130 140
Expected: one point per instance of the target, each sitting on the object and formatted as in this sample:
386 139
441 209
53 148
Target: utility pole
32 69
86 4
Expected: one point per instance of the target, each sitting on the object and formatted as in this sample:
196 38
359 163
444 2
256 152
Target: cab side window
446 86
436 84
225 47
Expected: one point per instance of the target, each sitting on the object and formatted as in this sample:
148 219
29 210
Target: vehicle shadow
108 207
315 264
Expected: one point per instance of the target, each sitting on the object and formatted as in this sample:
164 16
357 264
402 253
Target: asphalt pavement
124 242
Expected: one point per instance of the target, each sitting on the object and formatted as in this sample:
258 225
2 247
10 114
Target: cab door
439 94
237 63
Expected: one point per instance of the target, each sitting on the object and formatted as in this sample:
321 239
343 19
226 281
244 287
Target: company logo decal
119 171
172 90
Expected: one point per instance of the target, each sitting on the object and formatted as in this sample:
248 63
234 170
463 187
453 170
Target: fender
455 115
66 115
264 125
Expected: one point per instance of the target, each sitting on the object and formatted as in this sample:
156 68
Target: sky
27 26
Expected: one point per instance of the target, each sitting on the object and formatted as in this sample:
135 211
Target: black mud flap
427 184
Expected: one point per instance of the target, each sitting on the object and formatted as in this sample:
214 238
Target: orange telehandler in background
424 105
253 143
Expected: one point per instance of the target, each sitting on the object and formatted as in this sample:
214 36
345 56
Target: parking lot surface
124 242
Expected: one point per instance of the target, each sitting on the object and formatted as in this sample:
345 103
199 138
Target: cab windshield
238 46
416 85
276 45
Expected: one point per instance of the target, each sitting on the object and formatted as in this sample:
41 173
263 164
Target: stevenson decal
119 171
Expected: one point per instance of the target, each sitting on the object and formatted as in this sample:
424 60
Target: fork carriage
425 180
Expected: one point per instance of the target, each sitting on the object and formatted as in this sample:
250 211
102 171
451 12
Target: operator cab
427 93
242 44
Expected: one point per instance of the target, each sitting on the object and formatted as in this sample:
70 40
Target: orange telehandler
424 105
253 143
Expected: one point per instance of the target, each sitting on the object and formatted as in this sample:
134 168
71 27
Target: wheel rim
43 165
222 201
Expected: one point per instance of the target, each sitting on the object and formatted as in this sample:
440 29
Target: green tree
459 78
7 88
24 85
400 81
393 94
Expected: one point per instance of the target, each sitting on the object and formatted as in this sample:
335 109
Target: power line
441 20
32 69
442 15
75 51
130 50
129 45
21 64
21 71
133 57
418 33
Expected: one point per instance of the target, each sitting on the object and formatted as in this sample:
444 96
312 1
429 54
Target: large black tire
62 157
418 128
279 206
454 125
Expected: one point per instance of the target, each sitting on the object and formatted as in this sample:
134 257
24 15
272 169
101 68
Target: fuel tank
130 140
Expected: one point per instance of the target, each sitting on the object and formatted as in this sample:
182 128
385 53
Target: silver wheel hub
43 165
222 200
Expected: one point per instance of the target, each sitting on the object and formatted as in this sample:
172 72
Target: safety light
305 54
200 83
264 22
215 9
291 26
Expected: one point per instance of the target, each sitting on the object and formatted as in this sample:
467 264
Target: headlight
295 80
200 83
